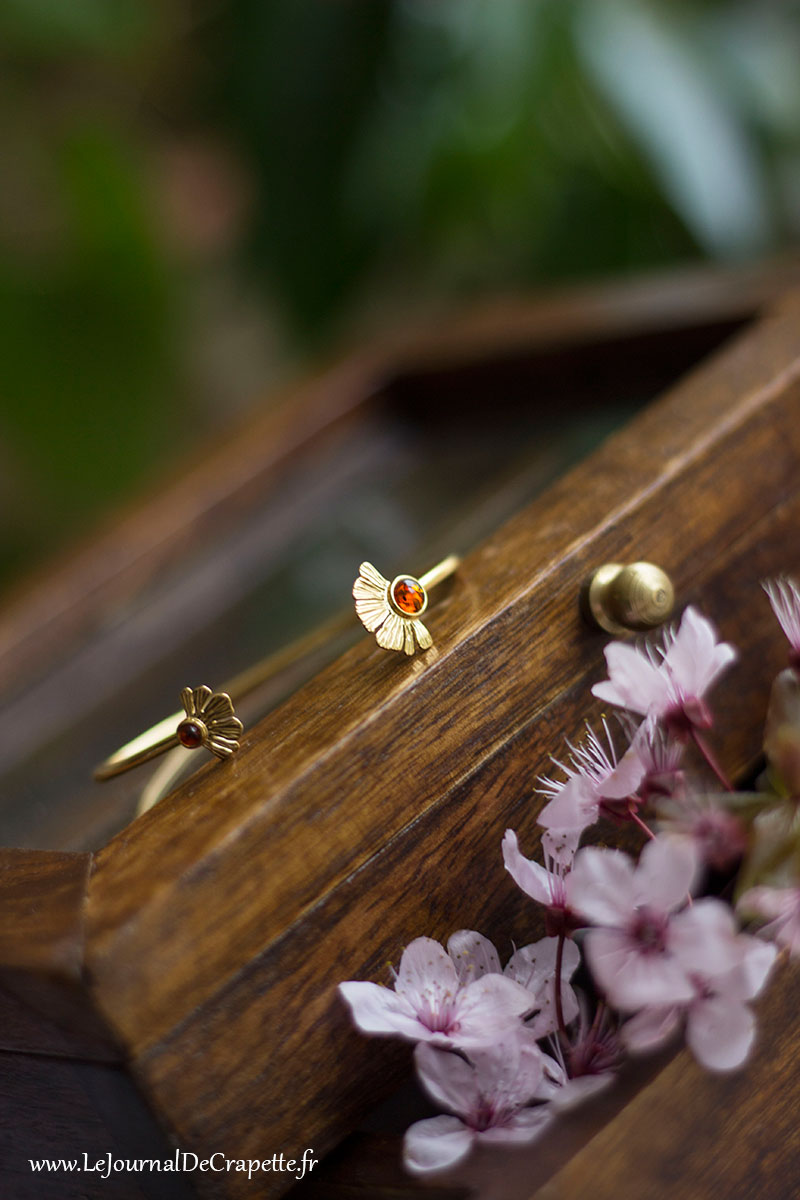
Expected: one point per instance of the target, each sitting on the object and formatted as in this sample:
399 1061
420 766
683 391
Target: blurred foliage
467 144
378 157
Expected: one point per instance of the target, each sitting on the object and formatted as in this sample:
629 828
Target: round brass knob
628 599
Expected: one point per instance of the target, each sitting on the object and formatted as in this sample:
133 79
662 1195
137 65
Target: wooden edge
45 1003
702 1134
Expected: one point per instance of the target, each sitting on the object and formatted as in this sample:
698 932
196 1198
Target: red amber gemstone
190 734
409 596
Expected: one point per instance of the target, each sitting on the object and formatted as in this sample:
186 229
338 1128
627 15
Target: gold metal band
144 747
165 736
448 566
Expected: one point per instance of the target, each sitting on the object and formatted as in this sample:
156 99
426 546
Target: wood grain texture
694 1135
42 990
369 808
203 945
442 873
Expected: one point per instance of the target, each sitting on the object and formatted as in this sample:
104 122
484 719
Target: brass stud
628 599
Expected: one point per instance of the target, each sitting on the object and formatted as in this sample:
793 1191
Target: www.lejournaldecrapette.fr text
184 1161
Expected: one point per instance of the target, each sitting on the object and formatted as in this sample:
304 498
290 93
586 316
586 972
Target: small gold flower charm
392 611
209 722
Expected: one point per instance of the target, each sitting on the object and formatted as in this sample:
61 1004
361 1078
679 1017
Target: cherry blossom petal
427 976
603 886
435 1144
572 810
782 905
650 1028
527 874
784 596
474 956
564 1093
665 873
575 1092
508 1072
524 1126
765 901
634 681
758 959
720 1032
378 1009
448 1079
553 1077
626 777
661 753
695 659
488 1008
632 979
534 967
703 939
560 844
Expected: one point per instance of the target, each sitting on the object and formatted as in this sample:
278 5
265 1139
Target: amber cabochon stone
409 596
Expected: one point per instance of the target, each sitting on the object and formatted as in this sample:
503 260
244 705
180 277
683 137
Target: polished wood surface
43 1000
202 944
694 1135
370 807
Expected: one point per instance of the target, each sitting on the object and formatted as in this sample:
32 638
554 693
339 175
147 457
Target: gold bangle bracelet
208 719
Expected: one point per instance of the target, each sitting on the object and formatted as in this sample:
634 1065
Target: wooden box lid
205 941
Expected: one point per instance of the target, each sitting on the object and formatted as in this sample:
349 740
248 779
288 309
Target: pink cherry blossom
489 1097
781 907
595 1048
584 1062
532 967
645 943
661 755
596 780
720 836
573 809
784 596
548 884
669 682
720 1026
429 1003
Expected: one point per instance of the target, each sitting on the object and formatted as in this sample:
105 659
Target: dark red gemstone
190 734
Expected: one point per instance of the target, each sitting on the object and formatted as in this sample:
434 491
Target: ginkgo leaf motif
393 629
209 721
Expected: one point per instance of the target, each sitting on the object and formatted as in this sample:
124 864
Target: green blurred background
200 196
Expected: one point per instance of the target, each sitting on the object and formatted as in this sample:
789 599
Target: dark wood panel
369 808
41 957
693 1135
55 1109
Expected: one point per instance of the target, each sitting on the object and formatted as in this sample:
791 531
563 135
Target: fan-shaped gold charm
392 610
209 722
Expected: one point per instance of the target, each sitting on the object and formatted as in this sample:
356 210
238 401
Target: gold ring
404 600
207 720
